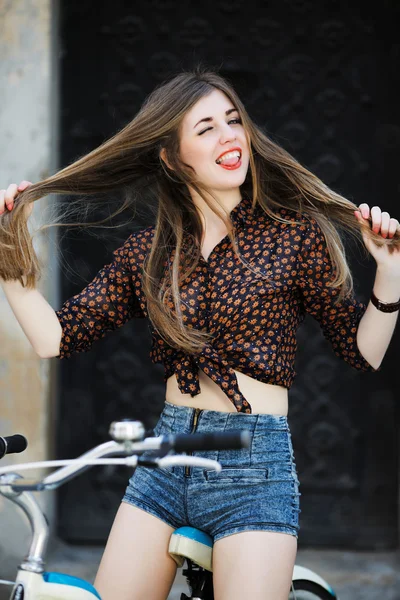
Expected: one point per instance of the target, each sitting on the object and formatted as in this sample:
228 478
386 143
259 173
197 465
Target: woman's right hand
7 197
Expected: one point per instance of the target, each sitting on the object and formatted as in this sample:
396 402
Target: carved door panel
317 77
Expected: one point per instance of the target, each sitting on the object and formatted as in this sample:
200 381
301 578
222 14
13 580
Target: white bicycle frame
32 583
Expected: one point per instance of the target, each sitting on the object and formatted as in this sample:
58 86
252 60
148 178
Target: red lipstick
230 150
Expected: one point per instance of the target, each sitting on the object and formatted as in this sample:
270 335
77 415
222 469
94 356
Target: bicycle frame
33 583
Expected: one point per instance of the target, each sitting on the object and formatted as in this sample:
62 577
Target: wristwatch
387 307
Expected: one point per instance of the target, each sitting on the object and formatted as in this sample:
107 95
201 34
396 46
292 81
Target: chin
229 183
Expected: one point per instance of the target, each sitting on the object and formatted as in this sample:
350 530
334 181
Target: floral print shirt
253 316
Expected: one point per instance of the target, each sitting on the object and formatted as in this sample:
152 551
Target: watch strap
384 306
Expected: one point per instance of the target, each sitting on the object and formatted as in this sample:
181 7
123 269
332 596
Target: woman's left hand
380 223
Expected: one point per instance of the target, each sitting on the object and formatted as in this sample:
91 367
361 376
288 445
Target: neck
226 201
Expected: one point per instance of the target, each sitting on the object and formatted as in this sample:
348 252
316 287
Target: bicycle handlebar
181 442
225 440
130 441
13 444
159 445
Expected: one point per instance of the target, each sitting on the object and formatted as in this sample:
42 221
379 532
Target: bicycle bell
127 431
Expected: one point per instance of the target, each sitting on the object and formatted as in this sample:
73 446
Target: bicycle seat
192 543
63 579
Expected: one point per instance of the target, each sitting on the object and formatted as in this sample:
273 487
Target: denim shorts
257 489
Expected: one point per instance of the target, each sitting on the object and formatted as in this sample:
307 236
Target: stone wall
28 150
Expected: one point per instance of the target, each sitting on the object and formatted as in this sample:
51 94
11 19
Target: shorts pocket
237 475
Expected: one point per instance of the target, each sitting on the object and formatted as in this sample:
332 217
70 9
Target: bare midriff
264 398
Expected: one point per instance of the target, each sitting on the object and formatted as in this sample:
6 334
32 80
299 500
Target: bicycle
187 544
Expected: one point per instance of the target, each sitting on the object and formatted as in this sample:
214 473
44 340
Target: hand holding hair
387 255
7 197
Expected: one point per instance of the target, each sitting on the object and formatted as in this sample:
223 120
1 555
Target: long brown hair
131 157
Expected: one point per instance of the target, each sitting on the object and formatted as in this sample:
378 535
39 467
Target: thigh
136 563
254 564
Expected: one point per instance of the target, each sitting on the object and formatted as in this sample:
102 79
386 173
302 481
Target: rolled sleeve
339 321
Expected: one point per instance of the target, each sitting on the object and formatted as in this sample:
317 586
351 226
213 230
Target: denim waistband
182 419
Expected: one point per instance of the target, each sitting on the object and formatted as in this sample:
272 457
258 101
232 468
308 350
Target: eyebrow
208 119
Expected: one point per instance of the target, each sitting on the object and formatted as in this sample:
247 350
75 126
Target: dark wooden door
318 76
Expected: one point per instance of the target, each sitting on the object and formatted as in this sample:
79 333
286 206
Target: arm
36 317
108 302
105 304
339 321
376 327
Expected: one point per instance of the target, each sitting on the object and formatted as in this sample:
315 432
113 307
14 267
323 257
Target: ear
163 156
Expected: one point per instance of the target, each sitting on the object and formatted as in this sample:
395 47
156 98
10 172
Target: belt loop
253 437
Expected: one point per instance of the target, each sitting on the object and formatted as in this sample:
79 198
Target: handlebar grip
227 440
13 444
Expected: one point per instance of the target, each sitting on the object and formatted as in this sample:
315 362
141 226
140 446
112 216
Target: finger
2 206
385 220
376 219
359 216
393 226
364 209
23 185
11 192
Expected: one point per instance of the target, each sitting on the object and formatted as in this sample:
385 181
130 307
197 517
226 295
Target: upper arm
110 300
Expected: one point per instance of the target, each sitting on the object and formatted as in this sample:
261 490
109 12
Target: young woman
245 244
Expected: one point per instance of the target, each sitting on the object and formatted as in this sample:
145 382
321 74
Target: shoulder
291 222
305 225
142 237
292 217
136 246
300 233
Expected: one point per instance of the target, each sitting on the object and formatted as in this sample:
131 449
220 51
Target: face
214 144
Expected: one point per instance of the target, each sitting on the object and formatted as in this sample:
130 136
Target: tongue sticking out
230 162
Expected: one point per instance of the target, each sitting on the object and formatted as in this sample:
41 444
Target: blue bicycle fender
63 579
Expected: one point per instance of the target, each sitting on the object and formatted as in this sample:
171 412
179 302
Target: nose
227 134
